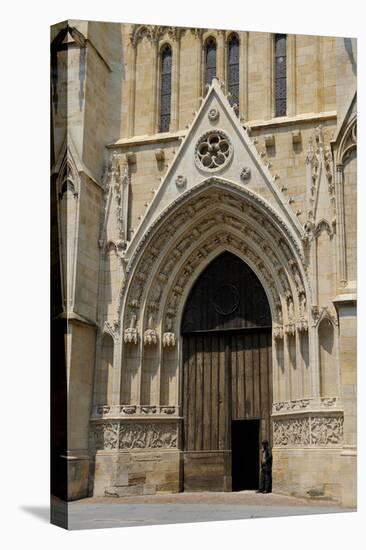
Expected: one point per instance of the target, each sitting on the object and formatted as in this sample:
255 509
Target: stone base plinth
207 471
309 473
77 476
124 473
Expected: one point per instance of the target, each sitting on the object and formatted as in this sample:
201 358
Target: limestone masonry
170 147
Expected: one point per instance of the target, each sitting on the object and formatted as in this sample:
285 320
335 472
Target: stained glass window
280 81
210 60
233 69
165 88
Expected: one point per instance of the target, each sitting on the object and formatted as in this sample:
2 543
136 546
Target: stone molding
251 199
116 435
308 431
133 411
282 278
283 408
154 33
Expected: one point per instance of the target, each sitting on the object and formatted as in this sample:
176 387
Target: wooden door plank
256 376
240 390
234 377
185 399
191 412
207 392
199 395
248 376
222 394
215 384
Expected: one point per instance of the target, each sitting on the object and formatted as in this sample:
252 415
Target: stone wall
105 92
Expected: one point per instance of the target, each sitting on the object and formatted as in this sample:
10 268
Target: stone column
221 55
287 367
346 308
291 74
132 89
116 383
340 236
174 124
243 75
199 61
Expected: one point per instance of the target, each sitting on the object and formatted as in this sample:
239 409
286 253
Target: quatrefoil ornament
213 151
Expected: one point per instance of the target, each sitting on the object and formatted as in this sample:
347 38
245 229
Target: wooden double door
227 377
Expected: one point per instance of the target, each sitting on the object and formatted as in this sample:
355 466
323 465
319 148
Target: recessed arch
226 365
226 289
160 241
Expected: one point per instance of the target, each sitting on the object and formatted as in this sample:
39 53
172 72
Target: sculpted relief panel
135 435
308 431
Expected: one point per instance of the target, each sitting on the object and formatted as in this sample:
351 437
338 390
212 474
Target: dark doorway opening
245 454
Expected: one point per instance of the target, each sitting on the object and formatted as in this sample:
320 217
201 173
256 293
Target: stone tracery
240 217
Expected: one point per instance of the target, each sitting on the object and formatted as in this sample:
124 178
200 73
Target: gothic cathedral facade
203 212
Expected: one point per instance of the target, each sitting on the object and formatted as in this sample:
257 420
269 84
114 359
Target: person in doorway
265 481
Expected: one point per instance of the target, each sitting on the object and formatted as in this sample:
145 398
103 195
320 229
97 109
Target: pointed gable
216 144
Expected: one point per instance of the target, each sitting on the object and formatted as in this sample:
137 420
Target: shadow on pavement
40 512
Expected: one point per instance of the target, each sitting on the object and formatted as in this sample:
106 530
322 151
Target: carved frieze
291 432
308 431
326 430
135 435
106 435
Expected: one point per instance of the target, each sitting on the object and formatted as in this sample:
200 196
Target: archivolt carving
201 215
131 333
233 195
150 336
185 275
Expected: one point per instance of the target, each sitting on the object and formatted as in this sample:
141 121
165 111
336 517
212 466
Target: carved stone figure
131 334
151 335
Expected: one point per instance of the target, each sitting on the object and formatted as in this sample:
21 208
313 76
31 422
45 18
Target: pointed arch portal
227 377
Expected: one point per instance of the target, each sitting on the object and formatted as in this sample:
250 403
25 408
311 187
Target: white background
24 271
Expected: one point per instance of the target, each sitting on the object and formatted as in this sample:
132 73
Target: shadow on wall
348 44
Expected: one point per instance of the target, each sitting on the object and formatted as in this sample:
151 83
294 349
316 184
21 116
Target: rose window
213 150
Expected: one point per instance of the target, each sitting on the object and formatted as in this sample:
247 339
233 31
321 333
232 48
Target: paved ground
189 508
